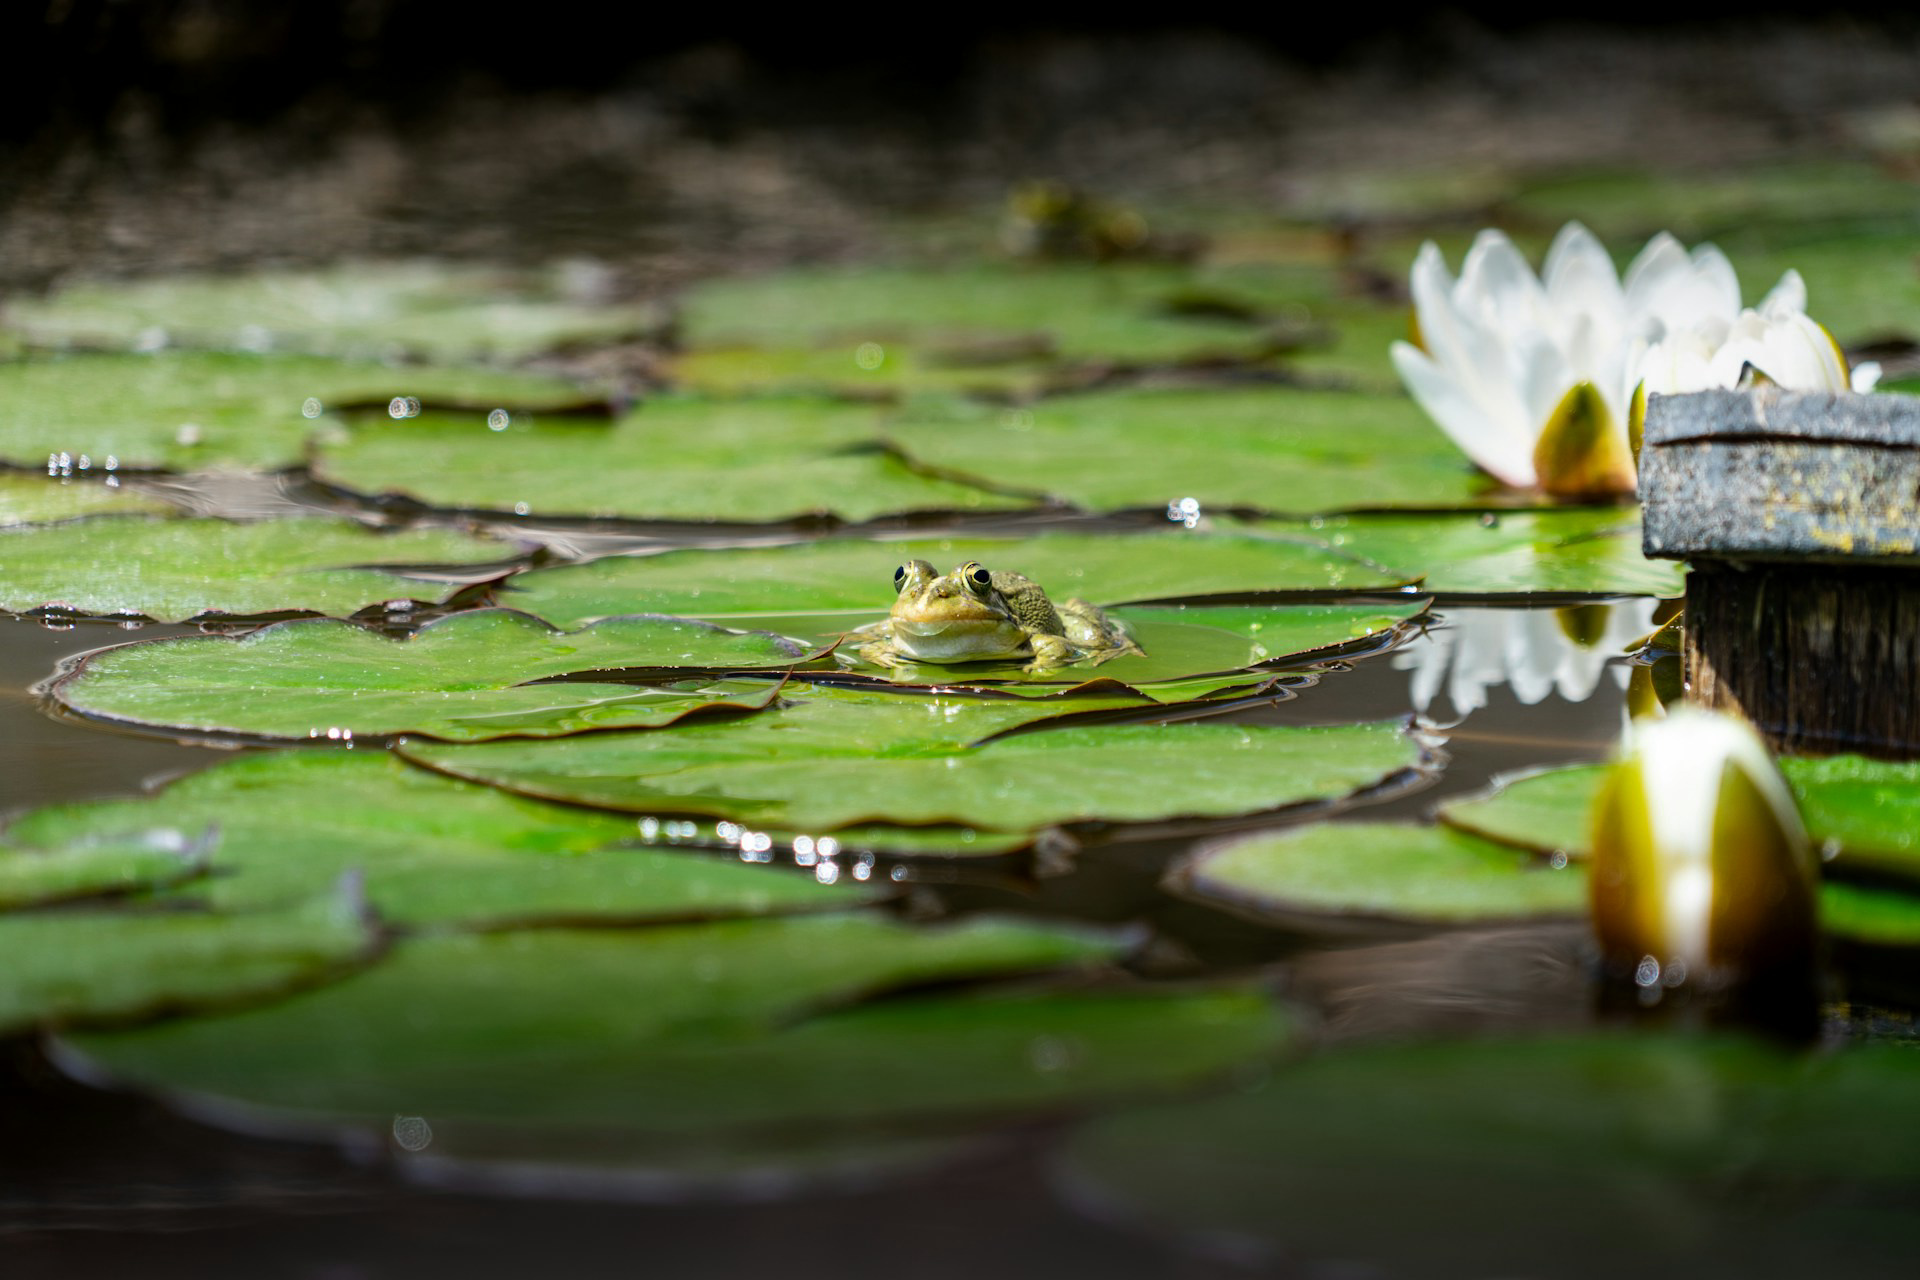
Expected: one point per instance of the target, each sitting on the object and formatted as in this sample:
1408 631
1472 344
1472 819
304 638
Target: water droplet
521 508
188 433
869 355
412 1133
1647 973
403 407
499 420
312 408
826 873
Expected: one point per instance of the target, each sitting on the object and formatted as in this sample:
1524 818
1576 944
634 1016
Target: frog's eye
977 578
899 577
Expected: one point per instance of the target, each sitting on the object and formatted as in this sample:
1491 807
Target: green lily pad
840 756
1290 450
527 1068
195 411
1578 551
674 458
1564 1157
1183 645
1855 805
97 867
1117 313
842 574
470 1024
77 967
1867 811
1383 871
433 851
173 570
423 310
463 678
865 371
37 499
1548 811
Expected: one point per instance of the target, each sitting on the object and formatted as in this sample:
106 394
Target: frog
977 615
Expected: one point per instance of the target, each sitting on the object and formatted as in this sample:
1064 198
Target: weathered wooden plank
1820 658
1782 475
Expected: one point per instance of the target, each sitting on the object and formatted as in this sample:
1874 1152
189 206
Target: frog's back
1031 608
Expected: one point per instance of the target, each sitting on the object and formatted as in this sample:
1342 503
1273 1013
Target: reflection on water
1536 653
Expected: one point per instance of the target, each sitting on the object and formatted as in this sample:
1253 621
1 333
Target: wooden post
1800 515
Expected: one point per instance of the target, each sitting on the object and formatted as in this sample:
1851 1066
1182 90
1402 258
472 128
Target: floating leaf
1290 450
840 574
1383 871
190 411
172 570
1116 313
1580 551
424 310
1858 805
839 756
674 458
1182 644
434 851
464 678
70 967
695 1100
1867 810
498 1026
868 370
96 867
1712 1153
36 499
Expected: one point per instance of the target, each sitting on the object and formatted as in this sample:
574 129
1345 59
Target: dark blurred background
143 135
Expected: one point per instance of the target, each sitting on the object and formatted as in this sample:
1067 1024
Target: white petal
1787 296
1866 375
1579 276
1495 440
1715 282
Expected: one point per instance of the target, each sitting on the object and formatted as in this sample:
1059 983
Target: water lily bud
1702 871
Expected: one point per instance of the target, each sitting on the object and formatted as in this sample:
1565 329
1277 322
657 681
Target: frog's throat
958 639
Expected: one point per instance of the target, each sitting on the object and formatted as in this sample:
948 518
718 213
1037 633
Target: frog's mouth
958 639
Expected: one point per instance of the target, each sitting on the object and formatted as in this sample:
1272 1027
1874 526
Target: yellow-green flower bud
1702 871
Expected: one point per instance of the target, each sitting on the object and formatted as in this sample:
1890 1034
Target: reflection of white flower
1534 376
1700 863
1528 650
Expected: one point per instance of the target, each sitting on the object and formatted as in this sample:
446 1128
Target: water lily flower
1536 377
1701 867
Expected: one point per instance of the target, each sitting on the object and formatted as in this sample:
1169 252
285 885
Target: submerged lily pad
26 498
1862 808
433 851
842 574
464 678
173 570
840 756
95 867
530 1023
1384 871
193 411
1269 449
1556 1156
1577 551
1116 313
426 310
674 458
73 967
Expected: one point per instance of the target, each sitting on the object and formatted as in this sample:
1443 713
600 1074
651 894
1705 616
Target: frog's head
965 598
